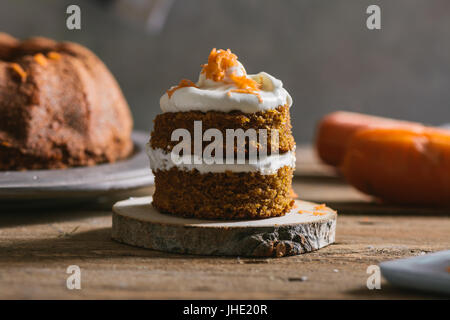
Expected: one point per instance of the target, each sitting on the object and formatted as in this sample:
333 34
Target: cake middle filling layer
270 164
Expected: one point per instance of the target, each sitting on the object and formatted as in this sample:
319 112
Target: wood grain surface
37 246
303 229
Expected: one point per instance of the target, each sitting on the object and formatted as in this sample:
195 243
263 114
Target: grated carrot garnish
320 207
183 83
218 63
54 55
5 143
246 91
246 85
17 68
242 82
318 213
40 58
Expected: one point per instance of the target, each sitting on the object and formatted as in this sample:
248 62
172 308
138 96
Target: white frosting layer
213 96
160 160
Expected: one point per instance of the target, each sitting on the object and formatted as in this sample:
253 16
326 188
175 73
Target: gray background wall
322 51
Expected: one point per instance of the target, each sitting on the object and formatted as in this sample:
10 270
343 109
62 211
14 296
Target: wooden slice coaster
306 228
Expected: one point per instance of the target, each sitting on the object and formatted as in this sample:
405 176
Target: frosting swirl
225 86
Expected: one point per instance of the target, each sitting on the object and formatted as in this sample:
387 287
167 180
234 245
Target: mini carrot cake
223 147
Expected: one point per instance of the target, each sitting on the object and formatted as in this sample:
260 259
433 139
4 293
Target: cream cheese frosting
162 160
226 94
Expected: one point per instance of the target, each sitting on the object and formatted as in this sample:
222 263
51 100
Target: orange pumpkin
404 166
336 130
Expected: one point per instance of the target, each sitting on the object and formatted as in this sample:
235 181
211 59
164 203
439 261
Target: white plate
429 272
71 184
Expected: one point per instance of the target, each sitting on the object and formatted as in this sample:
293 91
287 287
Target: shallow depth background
321 50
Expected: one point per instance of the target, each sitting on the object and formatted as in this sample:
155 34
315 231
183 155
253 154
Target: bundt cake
60 107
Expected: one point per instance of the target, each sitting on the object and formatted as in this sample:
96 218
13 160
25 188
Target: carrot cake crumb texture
225 195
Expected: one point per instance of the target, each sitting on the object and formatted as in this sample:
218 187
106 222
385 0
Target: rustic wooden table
37 246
